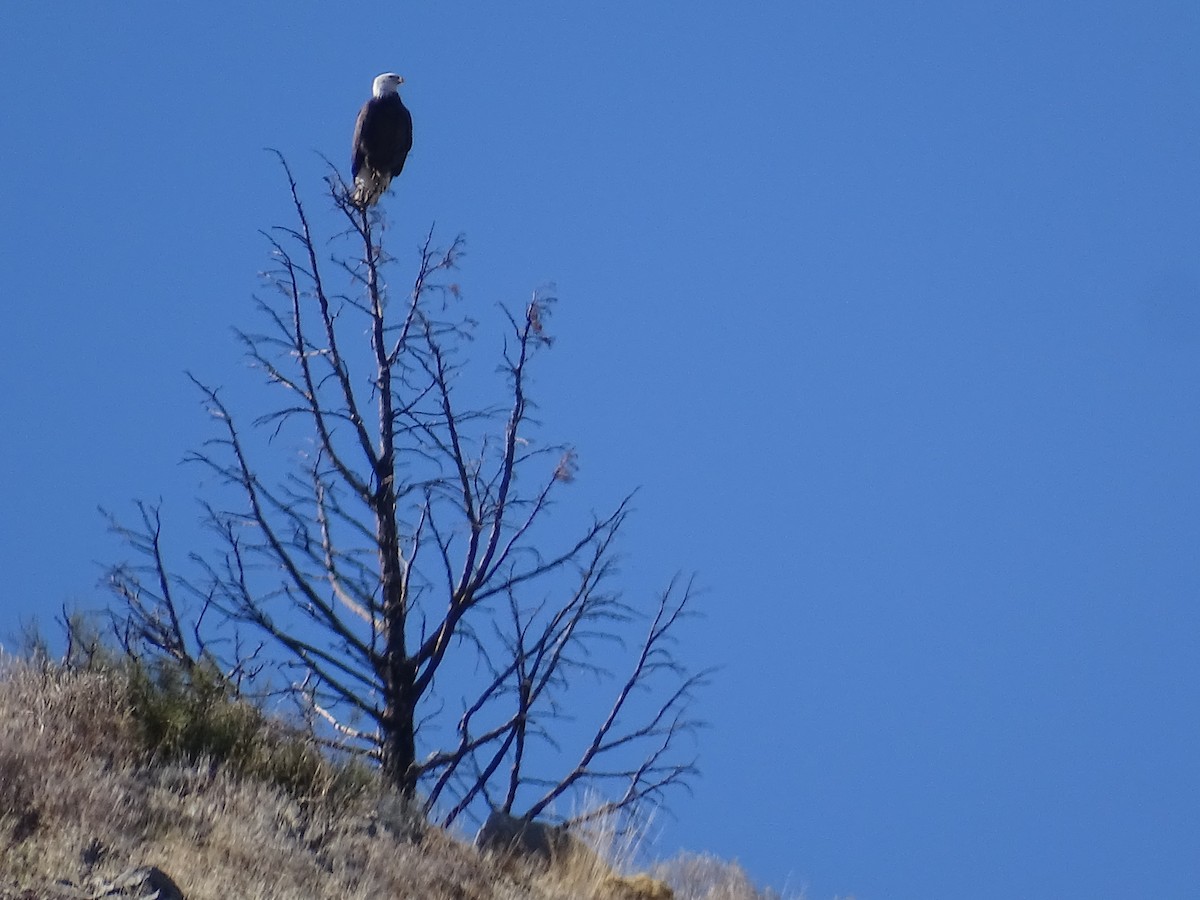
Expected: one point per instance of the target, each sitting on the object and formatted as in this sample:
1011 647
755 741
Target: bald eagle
382 139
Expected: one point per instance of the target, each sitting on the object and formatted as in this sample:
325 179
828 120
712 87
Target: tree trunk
399 744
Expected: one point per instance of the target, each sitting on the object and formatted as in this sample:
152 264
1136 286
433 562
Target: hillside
100 775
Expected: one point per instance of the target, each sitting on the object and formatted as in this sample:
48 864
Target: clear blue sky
892 310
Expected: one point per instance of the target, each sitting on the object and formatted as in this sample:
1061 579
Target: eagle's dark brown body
382 138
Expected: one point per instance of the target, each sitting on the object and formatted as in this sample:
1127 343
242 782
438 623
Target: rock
548 844
142 882
530 839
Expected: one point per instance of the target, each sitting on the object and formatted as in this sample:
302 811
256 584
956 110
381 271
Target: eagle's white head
386 84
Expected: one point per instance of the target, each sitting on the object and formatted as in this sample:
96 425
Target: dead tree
402 570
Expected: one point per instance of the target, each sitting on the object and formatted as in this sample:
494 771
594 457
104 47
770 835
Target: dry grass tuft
703 877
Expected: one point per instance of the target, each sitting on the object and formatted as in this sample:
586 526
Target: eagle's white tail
369 187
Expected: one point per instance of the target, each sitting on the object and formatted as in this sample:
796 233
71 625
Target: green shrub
193 714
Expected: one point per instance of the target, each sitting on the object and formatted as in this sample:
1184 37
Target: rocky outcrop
548 844
140 882
508 835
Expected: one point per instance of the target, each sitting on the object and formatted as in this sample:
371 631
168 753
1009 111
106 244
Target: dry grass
81 800
704 877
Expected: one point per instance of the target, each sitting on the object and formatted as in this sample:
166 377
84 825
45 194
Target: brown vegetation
99 772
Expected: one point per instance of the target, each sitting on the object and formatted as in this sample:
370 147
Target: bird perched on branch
382 139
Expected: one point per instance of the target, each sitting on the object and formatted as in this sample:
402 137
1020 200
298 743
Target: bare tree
403 569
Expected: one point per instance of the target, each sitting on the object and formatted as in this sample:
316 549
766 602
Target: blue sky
891 310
